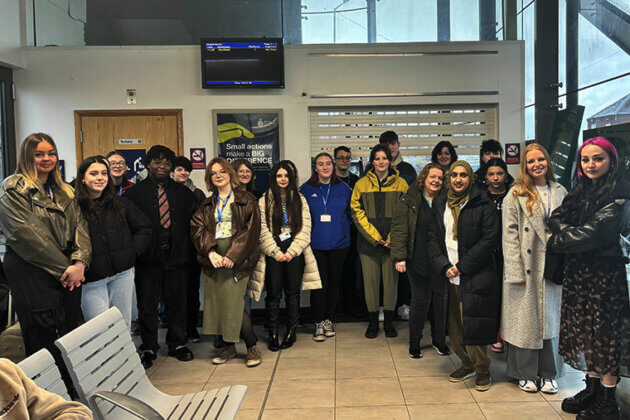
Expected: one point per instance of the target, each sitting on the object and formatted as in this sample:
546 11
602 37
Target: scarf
454 200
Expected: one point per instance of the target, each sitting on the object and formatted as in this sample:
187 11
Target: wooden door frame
79 114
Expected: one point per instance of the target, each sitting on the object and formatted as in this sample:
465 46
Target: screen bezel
280 42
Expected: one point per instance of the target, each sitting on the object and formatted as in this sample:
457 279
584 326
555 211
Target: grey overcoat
530 312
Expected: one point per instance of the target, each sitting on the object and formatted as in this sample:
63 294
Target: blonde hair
524 185
26 162
228 168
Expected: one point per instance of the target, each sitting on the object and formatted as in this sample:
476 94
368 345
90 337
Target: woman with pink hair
591 229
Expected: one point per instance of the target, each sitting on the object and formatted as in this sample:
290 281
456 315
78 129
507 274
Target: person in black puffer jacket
462 240
118 231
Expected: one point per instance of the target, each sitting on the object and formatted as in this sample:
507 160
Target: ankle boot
388 327
288 339
272 341
603 407
582 400
372 329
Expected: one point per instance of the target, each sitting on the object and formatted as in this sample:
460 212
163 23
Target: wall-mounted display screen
253 63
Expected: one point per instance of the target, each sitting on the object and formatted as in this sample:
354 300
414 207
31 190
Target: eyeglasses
343 158
117 164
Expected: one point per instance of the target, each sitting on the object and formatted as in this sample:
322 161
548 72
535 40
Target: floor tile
425 390
174 371
518 411
236 369
367 392
247 414
314 413
254 396
467 411
179 388
301 394
502 391
305 367
389 412
568 386
557 406
309 350
362 366
429 365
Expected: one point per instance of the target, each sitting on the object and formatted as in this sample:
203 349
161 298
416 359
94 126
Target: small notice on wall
513 153
198 157
129 141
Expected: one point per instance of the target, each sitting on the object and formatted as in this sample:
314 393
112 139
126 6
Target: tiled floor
350 377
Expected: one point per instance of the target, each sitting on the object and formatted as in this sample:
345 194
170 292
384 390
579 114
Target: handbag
554 263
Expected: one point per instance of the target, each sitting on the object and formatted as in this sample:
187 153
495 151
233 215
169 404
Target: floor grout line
398 377
335 382
273 374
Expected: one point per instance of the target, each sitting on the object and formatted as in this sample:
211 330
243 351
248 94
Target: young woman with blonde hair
48 246
530 319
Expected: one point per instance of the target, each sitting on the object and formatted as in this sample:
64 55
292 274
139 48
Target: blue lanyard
120 190
220 212
325 199
286 219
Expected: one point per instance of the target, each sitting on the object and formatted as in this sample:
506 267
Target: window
419 129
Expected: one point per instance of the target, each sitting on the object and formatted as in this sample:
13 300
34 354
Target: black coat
115 242
480 285
182 205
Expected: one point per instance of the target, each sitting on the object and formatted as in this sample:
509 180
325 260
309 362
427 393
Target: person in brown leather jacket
48 247
225 231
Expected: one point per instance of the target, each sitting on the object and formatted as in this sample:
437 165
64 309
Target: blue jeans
98 296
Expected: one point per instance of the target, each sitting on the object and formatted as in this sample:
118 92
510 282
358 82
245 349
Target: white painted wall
59 80
11 54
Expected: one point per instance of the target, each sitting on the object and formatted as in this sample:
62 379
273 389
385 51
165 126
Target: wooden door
99 132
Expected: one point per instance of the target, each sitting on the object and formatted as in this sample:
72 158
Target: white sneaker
381 315
403 312
548 386
527 386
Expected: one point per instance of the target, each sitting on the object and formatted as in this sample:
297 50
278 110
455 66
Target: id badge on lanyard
325 218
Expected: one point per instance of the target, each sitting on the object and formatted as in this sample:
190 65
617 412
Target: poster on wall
134 158
252 135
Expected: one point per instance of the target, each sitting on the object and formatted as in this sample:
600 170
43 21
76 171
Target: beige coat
21 398
530 312
300 245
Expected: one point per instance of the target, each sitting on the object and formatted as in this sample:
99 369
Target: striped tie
165 214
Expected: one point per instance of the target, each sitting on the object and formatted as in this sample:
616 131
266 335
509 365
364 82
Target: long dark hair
438 148
274 215
93 210
587 196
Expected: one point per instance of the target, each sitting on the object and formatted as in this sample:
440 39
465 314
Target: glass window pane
528 36
334 21
598 98
464 20
530 123
405 21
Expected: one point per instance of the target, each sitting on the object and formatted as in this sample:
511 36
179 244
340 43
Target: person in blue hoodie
329 202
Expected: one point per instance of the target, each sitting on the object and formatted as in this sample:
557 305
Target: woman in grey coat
530 316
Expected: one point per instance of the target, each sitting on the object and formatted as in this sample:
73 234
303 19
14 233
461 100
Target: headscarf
454 200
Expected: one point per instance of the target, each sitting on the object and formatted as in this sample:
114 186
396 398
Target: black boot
272 341
603 407
288 339
582 400
388 327
372 329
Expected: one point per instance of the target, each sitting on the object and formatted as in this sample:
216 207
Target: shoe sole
496 351
549 392
253 363
482 388
216 361
439 352
319 339
412 356
329 334
468 375
529 391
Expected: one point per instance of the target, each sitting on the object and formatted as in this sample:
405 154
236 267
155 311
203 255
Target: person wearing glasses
117 170
162 270
342 166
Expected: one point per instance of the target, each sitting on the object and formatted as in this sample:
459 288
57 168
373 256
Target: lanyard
120 189
325 199
220 212
547 208
286 219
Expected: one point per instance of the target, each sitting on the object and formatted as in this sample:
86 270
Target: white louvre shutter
419 127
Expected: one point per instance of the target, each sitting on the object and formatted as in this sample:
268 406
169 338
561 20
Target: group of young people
484 255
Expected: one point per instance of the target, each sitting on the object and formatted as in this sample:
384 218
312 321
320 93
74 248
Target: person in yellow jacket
21 398
374 198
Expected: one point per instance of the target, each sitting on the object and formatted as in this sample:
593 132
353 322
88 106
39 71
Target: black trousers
192 297
404 290
46 310
324 300
352 291
285 276
422 296
171 285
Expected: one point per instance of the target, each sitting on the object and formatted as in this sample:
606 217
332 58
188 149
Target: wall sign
134 158
254 136
129 141
198 157
512 153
